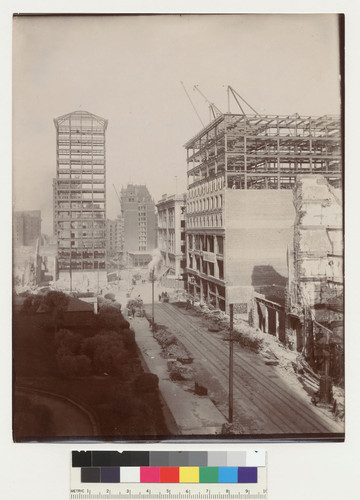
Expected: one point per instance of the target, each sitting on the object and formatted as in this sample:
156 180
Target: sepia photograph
178 239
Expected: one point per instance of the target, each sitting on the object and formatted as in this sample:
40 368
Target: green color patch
209 475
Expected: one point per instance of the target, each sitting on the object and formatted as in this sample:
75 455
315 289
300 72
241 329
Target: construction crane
235 96
192 104
117 194
214 109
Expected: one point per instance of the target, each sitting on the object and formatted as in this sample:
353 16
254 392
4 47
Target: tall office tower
138 210
79 199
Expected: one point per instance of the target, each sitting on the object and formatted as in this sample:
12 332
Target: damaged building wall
315 288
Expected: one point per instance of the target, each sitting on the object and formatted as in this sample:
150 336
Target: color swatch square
236 459
159 459
189 475
130 474
255 458
209 475
150 474
110 474
90 474
81 459
169 474
197 459
228 474
217 459
247 474
178 458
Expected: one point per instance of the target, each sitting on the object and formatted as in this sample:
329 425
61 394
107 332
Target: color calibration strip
180 467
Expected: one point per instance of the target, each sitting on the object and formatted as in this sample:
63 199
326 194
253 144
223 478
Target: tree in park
56 302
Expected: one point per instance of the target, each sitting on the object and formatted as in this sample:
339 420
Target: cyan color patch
228 474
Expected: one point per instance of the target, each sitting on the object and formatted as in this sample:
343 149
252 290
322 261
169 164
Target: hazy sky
128 69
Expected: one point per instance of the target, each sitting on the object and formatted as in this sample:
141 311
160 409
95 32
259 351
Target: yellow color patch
189 475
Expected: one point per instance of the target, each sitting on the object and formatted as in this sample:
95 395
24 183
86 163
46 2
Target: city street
263 402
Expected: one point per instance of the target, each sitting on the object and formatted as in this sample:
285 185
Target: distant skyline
128 70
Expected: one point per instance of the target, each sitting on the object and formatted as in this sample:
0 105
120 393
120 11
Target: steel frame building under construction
265 152
241 170
79 197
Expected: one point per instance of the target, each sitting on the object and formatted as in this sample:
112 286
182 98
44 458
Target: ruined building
241 170
79 198
315 298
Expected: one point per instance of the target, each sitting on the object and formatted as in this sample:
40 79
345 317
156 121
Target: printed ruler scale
172 475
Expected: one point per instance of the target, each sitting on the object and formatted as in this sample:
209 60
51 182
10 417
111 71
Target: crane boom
117 194
211 104
192 104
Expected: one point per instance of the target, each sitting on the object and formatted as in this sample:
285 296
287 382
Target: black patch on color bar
81 459
117 459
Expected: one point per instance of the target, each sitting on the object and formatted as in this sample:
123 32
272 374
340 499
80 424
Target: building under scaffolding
241 170
79 198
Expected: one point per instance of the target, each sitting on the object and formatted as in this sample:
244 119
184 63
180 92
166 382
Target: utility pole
231 365
152 277
70 264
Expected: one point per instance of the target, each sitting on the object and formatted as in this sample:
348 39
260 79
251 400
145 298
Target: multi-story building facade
239 212
171 232
79 198
26 227
138 212
115 236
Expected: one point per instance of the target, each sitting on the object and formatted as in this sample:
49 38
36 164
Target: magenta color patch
149 474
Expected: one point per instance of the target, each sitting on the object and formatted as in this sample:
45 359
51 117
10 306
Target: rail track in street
261 398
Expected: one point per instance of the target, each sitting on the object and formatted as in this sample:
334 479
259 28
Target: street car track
270 401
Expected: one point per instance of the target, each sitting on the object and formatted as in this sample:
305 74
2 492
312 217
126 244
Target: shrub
111 318
128 337
109 306
176 377
109 352
110 296
71 365
31 304
69 340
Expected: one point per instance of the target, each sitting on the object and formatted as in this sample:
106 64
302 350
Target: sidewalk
194 415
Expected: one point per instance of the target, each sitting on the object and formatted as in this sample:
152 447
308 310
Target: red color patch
169 474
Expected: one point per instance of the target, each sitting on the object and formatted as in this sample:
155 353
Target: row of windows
208 221
207 187
210 203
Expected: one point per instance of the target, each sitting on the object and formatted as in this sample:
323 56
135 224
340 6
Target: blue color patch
247 475
228 474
